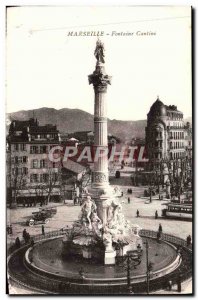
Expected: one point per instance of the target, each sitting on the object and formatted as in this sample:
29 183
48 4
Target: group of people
138 213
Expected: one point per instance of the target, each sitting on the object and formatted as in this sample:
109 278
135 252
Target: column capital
100 80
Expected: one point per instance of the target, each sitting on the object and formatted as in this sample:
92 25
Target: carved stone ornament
99 177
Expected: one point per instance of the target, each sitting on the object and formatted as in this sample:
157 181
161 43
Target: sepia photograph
99 150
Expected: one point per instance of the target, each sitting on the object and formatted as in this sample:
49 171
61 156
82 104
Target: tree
37 191
18 180
52 182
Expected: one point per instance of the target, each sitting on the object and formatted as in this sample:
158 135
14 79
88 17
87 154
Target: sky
47 68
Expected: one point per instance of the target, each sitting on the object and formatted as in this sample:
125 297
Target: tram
181 211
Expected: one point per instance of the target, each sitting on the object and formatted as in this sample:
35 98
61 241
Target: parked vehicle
42 216
50 210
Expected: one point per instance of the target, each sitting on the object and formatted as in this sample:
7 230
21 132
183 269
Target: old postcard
99 150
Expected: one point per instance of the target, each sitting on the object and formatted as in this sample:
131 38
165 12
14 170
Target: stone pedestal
109 258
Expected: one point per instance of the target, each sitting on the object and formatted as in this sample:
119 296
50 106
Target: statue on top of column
99 52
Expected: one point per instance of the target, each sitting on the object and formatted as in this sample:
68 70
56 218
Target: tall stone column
100 177
100 174
101 191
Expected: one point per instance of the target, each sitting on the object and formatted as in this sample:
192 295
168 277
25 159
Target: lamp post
149 267
129 261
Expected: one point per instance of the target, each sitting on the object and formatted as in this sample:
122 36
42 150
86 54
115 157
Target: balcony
175 128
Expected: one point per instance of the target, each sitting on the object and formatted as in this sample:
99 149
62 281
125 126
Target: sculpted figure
99 51
96 223
87 208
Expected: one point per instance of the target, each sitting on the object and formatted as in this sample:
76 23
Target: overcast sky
48 68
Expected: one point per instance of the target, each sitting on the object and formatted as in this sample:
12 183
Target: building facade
30 173
165 132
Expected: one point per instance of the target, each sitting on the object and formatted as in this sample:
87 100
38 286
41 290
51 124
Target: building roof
172 108
158 108
17 125
43 129
19 131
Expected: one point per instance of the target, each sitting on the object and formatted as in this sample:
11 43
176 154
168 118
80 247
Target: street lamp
149 267
129 261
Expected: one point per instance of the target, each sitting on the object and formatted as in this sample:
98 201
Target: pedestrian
27 238
24 234
129 200
122 194
43 230
32 242
158 237
11 229
188 240
179 283
170 285
81 274
156 214
137 213
17 242
160 228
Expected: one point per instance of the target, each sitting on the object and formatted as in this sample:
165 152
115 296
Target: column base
109 258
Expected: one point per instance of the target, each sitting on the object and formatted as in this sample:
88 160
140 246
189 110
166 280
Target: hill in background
71 120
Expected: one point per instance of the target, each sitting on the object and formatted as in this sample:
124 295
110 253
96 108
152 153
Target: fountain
101 222
84 259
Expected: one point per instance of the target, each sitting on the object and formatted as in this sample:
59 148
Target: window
44 177
15 159
34 150
20 159
25 171
20 171
24 159
16 147
43 149
34 163
23 147
43 163
33 178
43 136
